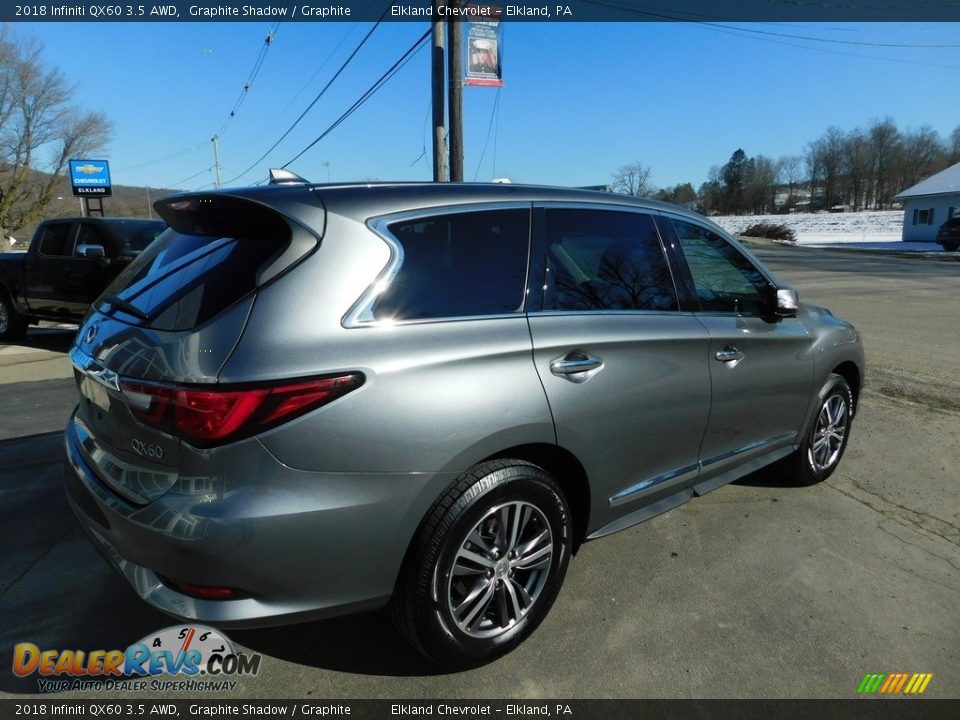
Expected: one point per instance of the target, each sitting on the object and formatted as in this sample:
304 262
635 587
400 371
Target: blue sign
90 177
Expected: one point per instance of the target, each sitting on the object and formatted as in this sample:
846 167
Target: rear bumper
297 545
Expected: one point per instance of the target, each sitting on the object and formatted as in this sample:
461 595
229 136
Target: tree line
860 169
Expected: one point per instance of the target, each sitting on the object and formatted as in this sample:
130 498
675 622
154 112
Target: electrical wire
188 179
257 65
315 100
493 114
380 82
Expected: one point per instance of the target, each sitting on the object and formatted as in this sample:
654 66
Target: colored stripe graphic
894 683
871 682
918 683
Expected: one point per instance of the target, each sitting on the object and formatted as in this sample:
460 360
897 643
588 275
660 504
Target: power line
187 179
493 114
380 82
316 99
257 65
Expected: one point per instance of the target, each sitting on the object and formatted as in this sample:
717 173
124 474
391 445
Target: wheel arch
567 470
851 373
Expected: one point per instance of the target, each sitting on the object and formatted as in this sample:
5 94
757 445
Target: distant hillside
127 201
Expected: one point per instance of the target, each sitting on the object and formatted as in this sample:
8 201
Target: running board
644 513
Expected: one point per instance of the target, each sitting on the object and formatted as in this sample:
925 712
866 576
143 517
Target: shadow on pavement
771 476
364 644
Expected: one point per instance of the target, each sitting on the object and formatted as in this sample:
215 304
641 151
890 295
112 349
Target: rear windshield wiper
127 307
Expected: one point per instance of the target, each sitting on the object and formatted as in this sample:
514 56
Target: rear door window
458 265
605 260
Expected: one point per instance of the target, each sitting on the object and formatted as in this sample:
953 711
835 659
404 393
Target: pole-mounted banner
483 49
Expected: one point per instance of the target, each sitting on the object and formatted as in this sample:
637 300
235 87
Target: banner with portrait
483 51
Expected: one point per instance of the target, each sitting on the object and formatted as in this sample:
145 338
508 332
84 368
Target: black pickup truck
69 263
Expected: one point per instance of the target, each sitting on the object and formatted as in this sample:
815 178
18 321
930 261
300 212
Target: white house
930 203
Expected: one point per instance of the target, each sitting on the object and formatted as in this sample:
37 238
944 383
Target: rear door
623 366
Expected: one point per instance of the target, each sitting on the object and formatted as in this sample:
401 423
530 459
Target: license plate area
95 393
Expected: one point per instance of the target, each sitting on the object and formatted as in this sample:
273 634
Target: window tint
182 281
56 239
458 265
725 280
137 234
605 260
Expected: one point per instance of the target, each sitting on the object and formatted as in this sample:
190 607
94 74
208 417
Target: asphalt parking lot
755 590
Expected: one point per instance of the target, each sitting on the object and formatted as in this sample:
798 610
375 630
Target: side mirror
787 302
91 251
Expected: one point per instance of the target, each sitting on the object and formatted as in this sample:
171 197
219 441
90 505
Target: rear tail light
212 415
206 592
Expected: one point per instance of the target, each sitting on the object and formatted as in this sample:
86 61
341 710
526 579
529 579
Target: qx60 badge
146 450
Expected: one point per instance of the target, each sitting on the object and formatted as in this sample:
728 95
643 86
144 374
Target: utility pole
455 80
216 159
437 96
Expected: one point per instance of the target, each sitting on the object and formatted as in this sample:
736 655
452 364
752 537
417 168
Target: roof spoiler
279 176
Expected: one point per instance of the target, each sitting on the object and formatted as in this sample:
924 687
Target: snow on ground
867 230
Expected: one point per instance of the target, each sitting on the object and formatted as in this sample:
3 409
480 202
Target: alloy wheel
500 569
829 433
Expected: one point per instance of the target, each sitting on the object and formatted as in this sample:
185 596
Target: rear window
184 279
136 235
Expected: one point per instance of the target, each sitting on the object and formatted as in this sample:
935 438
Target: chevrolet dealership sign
90 177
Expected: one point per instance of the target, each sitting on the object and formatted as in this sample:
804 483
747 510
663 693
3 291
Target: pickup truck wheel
12 326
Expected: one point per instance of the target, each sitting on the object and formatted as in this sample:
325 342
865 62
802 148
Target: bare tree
39 131
856 167
953 146
789 173
883 138
761 185
919 155
633 180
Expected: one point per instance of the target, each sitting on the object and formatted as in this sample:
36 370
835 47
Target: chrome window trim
360 314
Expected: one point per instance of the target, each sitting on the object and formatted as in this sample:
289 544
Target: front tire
486 564
825 441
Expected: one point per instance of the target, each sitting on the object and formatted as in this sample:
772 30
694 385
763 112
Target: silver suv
303 401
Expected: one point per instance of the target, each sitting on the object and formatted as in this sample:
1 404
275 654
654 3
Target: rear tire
12 325
486 564
824 442
951 245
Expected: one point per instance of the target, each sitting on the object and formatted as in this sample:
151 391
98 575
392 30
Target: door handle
728 354
574 366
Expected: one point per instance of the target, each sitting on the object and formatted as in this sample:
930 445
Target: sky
579 100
